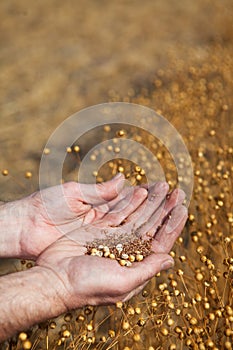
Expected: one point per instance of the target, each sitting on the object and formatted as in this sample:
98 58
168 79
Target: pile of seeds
124 248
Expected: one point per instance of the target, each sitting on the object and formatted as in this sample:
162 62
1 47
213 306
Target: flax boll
192 308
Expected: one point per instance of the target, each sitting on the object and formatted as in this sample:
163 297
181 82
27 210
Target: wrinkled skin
58 210
84 279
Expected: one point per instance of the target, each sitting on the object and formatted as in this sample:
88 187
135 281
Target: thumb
97 194
141 273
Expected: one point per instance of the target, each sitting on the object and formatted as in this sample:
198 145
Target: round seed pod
122 262
131 258
23 336
28 174
119 304
5 172
27 344
130 311
139 257
136 337
125 325
141 322
66 334
164 331
111 333
52 325
89 327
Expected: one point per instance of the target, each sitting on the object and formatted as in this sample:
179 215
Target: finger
115 208
109 206
125 207
99 211
94 194
173 199
170 231
156 195
141 273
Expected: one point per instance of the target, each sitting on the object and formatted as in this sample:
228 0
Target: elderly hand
83 279
58 210
65 277
31 224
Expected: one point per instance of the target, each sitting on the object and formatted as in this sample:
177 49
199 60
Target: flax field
174 57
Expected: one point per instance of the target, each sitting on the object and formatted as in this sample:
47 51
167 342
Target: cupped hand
83 279
57 210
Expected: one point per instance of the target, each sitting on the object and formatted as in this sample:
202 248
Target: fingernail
173 221
167 264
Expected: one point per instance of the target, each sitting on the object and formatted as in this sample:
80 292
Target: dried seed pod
122 262
139 257
28 174
131 258
5 172
124 256
136 337
119 304
141 322
89 327
23 336
76 148
125 325
27 344
66 334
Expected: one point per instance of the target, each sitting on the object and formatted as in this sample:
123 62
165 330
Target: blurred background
58 57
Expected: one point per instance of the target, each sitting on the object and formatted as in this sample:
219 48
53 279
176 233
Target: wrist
57 290
54 293
28 298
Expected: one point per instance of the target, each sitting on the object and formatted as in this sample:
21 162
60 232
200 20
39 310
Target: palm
61 209
94 280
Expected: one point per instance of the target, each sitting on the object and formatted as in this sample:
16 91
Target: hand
60 209
83 279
